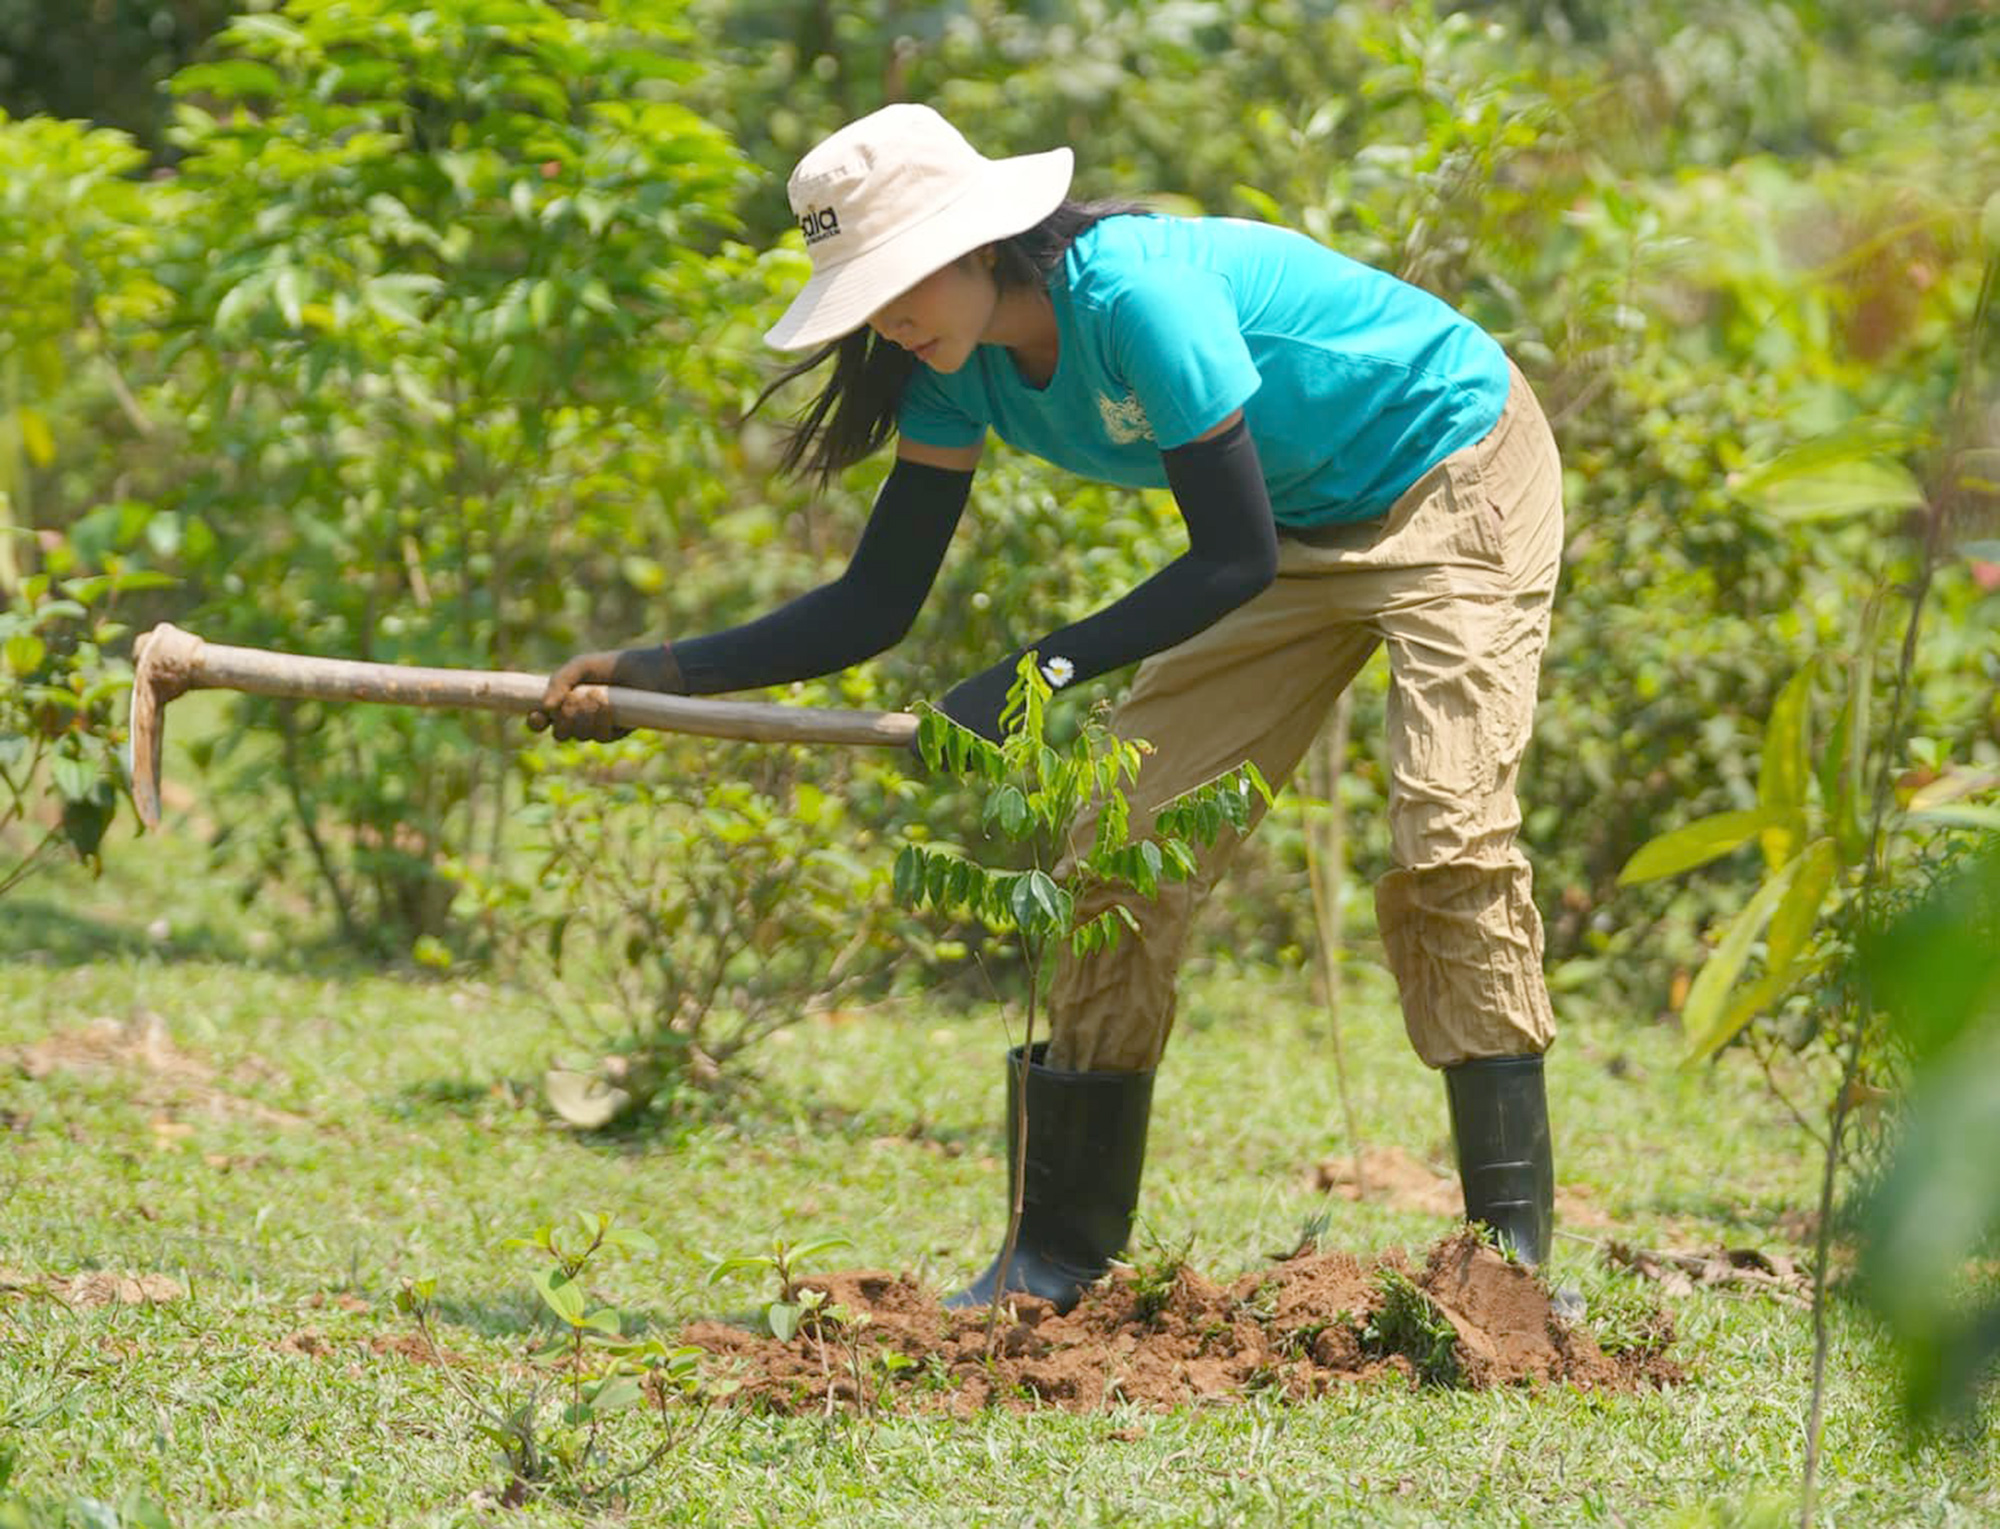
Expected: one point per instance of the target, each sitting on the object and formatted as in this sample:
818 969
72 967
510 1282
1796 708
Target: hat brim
1011 195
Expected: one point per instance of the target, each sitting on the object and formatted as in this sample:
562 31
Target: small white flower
1058 672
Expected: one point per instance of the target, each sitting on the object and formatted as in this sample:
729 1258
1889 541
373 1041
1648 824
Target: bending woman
1357 465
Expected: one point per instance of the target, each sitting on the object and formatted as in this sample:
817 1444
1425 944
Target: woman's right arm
867 609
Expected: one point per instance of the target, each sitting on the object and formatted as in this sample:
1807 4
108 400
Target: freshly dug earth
1296 1329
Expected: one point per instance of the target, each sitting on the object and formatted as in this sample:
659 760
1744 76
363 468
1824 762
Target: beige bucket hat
891 198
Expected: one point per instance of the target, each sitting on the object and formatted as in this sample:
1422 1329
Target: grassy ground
332 1131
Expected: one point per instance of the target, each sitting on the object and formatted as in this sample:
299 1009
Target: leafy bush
676 903
62 716
437 305
76 248
581 1447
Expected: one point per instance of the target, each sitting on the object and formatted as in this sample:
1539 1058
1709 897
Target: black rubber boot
1086 1151
1500 1123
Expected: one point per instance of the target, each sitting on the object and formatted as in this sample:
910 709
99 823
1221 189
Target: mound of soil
1296 1329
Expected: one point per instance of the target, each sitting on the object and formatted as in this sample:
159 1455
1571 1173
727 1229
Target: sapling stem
1019 1171
1327 872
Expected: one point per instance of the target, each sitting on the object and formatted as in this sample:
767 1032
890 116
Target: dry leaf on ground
1678 1273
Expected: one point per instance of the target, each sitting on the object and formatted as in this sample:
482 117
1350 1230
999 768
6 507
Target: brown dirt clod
1294 1329
94 1288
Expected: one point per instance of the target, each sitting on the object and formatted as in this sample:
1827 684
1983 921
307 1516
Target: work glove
569 715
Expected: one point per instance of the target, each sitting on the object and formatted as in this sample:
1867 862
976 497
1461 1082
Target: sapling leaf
1695 844
908 879
1703 1019
1962 816
1114 823
933 731
1060 905
1023 904
632 1240
1792 925
736 1264
783 1319
1785 768
1952 786
999 894
618 1394
1749 1002
1151 859
603 1320
1010 808
817 1246
562 1293
1832 769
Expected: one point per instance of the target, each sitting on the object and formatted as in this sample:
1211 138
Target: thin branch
30 863
1875 879
1765 1055
127 402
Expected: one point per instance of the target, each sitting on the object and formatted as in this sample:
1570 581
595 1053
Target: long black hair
855 411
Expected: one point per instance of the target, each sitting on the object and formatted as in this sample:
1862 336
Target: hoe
171 661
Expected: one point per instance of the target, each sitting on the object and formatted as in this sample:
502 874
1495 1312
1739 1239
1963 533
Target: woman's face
942 317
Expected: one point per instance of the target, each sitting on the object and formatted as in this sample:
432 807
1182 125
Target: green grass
416 1152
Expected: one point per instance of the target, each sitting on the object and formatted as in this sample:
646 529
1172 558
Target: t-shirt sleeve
931 415
1176 339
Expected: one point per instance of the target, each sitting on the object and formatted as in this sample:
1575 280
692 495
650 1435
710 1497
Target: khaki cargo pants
1457 581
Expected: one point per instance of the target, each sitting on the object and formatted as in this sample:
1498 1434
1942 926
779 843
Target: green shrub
675 903
440 313
63 700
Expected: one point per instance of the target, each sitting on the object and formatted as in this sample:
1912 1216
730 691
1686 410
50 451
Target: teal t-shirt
1353 383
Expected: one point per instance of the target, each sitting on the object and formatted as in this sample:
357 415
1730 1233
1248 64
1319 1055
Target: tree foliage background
426 332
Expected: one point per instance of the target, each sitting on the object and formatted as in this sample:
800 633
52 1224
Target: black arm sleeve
1232 555
868 608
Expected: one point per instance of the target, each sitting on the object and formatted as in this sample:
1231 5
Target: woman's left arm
1232 555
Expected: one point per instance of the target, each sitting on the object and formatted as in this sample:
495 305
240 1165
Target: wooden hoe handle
171 661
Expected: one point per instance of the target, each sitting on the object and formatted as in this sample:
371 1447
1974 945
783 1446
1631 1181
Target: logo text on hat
819 223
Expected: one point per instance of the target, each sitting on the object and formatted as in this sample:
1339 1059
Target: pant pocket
1463 523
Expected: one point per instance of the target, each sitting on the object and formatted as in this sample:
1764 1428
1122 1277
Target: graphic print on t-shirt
1124 419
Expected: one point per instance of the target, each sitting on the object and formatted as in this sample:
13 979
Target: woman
1356 463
